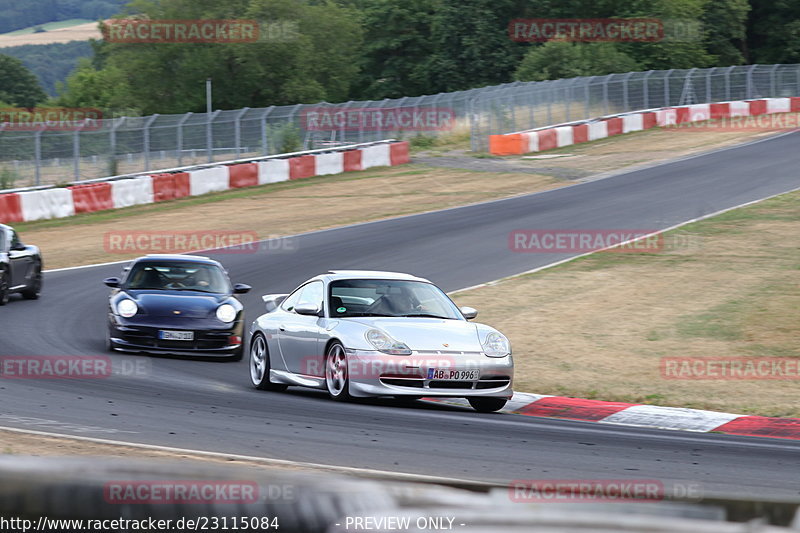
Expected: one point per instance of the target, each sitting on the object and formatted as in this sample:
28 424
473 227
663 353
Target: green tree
725 24
470 44
18 86
558 59
773 31
397 47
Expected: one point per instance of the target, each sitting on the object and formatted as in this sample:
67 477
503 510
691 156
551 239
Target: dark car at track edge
176 304
20 267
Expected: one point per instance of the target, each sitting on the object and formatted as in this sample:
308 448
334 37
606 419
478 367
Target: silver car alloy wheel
336 370
258 359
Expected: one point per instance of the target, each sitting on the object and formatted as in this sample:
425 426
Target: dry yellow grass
80 32
598 327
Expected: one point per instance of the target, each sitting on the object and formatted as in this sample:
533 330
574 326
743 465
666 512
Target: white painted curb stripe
669 418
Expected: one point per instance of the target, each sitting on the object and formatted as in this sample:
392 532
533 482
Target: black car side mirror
112 282
18 247
241 288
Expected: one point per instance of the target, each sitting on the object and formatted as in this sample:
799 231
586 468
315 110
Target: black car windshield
178 276
397 298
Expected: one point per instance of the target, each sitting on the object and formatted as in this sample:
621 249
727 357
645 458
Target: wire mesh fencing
42 154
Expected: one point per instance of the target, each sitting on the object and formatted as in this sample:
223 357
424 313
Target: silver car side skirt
288 378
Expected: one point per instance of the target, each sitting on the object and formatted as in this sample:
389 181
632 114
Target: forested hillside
18 14
51 63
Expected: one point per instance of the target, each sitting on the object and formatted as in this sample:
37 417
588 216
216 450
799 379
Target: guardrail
38 203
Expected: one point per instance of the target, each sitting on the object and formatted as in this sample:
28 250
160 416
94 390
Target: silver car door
299 334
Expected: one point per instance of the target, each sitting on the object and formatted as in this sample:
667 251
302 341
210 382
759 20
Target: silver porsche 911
366 333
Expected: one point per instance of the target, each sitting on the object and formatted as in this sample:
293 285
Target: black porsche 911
176 304
20 267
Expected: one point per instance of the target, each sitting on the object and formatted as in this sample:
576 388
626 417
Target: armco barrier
566 134
332 163
92 197
38 204
304 166
352 160
243 175
208 180
136 191
10 208
47 203
170 186
399 154
375 156
758 107
273 171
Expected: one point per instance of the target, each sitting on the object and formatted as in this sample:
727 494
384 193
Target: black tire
260 366
407 399
337 378
4 285
33 292
487 405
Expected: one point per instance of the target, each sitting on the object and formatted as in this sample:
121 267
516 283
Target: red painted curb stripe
763 426
573 408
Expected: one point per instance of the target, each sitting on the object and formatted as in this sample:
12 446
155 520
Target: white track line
367 472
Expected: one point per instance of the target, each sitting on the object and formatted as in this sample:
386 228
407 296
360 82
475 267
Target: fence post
647 89
181 122
146 140
708 84
237 134
750 92
37 152
210 135
773 89
76 153
625 101
728 82
587 97
263 120
666 88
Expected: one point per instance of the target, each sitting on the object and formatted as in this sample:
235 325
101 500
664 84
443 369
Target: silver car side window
291 300
312 294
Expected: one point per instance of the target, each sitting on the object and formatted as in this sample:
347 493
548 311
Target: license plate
450 374
176 335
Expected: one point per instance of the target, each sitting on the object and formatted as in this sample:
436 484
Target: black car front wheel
4 286
34 288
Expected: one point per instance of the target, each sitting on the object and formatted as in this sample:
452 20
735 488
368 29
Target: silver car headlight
496 345
384 343
127 308
226 313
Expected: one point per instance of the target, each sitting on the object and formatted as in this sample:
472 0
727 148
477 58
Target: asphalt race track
207 405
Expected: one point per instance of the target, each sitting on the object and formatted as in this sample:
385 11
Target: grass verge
598 327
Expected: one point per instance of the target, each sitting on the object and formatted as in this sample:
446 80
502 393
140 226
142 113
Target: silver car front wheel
259 365
336 376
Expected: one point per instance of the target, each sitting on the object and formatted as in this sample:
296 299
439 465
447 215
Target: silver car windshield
178 276
396 298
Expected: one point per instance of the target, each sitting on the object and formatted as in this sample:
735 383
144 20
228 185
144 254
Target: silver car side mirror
307 309
469 312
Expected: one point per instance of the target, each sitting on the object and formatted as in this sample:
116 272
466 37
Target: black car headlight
127 308
226 313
